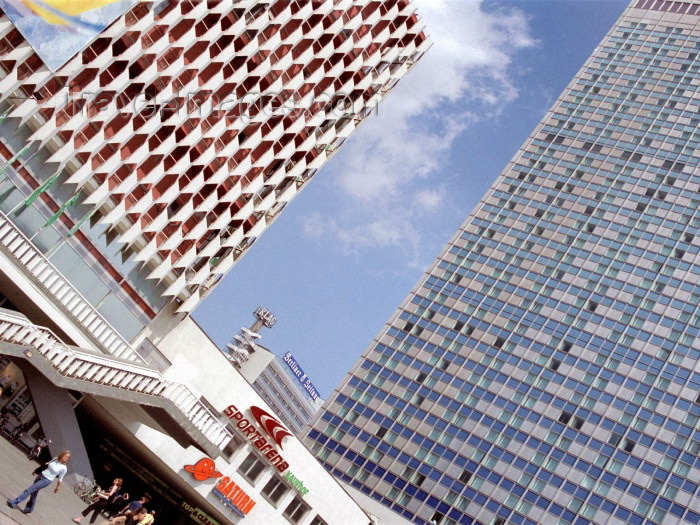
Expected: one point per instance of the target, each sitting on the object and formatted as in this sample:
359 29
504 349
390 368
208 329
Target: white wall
197 362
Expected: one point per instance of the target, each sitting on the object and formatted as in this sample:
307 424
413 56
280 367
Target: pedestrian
131 518
104 498
119 503
55 469
9 390
134 506
148 519
4 418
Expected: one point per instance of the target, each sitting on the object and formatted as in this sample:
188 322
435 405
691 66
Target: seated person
131 518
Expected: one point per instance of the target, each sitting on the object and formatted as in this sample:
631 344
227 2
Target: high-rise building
546 369
145 146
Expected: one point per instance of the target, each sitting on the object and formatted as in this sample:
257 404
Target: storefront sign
257 439
306 383
203 469
270 425
226 490
296 483
198 514
233 497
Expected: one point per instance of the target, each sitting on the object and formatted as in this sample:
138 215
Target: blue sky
345 253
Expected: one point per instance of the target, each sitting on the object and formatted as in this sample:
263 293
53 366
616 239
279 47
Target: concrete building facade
546 368
133 177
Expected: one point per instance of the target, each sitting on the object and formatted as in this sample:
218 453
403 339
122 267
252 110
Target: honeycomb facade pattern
187 126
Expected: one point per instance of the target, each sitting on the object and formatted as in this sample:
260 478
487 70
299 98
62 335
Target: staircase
104 375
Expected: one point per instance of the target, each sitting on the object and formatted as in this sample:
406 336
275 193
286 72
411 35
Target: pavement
51 509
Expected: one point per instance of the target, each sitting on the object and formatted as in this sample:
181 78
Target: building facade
546 369
279 380
133 175
177 135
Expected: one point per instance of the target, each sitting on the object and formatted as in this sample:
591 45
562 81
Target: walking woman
55 469
104 498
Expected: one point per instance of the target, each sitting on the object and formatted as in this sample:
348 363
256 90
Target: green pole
15 157
63 208
41 189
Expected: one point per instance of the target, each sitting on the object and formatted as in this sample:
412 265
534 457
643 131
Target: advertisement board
297 371
58 29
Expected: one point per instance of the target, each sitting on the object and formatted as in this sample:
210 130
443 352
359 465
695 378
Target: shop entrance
114 452
18 420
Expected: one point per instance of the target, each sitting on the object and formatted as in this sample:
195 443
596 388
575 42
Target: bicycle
87 490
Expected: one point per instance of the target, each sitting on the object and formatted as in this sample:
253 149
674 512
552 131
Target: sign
198 514
270 425
296 483
230 494
233 497
257 439
59 29
300 375
203 469
265 316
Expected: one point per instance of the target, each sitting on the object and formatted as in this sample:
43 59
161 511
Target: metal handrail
142 379
26 243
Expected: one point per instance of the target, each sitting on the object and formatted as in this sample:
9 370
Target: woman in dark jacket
104 498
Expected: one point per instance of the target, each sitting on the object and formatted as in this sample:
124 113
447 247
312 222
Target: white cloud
396 158
430 198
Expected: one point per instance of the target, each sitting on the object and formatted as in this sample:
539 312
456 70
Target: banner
58 29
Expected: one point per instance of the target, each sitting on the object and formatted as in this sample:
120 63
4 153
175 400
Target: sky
344 254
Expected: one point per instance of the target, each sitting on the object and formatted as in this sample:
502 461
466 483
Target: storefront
17 407
216 457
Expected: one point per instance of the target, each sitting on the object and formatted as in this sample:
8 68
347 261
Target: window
296 510
465 476
251 468
233 445
274 490
318 520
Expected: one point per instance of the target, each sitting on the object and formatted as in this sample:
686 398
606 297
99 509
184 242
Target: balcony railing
81 365
15 245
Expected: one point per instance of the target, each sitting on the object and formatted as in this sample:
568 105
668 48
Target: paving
51 509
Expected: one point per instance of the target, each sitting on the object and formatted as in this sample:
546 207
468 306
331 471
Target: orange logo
203 469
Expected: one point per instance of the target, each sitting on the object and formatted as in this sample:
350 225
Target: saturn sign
203 469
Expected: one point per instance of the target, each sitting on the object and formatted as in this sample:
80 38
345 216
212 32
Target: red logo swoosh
270 425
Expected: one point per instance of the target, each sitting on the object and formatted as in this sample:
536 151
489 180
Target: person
131 518
104 498
56 469
4 418
9 390
134 506
148 519
119 503
18 432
